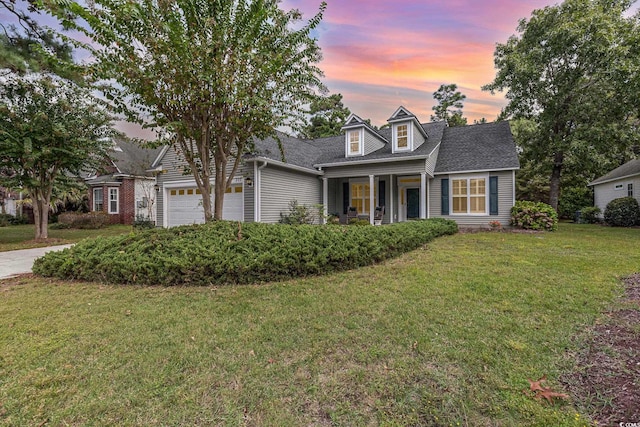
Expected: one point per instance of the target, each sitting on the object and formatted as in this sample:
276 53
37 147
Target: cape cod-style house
407 171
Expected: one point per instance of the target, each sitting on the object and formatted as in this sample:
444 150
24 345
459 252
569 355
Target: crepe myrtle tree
210 76
50 129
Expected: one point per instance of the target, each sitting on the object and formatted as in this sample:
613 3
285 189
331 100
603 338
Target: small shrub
5 219
590 215
217 253
358 221
301 214
622 212
495 225
534 216
141 222
59 226
19 220
90 220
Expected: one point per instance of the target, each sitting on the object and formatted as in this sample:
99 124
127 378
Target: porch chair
351 213
377 215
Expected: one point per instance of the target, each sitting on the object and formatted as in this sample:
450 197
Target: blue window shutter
493 195
345 197
382 193
444 195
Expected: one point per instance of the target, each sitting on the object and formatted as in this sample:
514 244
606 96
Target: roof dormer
407 133
360 138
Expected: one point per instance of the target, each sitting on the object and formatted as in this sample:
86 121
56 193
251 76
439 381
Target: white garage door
184 205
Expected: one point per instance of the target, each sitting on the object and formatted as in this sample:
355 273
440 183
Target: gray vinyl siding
418 138
431 161
371 142
505 201
606 192
279 186
398 168
247 171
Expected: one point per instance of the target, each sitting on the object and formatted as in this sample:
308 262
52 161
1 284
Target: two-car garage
184 205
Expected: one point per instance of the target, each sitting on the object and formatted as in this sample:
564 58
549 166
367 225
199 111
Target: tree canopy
574 70
449 107
50 129
27 46
328 115
212 75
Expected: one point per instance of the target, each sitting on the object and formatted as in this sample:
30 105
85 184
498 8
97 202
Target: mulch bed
606 381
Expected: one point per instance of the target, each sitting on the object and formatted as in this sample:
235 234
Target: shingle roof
133 159
298 152
333 148
628 169
478 147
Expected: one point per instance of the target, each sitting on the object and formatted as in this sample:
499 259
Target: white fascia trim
286 165
435 148
369 161
476 171
591 184
157 160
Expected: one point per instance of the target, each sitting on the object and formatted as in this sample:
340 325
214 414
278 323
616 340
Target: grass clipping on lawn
235 253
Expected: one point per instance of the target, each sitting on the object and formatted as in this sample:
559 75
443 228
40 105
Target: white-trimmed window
402 137
618 187
361 196
98 200
114 205
630 189
354 142
469 196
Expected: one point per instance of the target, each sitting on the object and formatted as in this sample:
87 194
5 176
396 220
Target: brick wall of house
127 201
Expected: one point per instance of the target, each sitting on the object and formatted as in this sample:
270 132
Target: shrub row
90 220
230 252
534 216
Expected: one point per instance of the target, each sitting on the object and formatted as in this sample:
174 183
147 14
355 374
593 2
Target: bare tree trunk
40 215
221 185
554 182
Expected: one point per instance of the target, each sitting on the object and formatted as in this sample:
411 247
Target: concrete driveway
13 263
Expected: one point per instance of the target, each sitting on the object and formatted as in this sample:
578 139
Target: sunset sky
381 54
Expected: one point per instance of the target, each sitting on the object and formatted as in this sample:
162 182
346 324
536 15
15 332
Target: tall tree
49 129
328 115
449 107
574 69
212 74
28 46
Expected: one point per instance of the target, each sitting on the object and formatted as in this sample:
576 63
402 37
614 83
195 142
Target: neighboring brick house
124 188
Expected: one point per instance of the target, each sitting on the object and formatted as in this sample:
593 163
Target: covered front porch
398 197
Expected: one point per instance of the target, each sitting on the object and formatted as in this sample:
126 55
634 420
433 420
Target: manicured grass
21 236
445 335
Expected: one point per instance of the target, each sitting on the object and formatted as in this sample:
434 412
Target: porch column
423 195
372 201
391 201
325 200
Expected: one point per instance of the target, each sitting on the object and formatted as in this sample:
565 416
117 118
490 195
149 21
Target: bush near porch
231 252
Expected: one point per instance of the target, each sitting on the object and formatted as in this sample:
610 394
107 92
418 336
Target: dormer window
354 142
402 137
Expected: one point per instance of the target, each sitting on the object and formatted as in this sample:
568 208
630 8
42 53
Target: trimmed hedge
89 220
230 252
534 216
622 212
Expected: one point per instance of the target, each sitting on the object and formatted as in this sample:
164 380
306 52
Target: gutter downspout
257 214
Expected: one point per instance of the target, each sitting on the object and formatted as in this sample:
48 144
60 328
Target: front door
413 203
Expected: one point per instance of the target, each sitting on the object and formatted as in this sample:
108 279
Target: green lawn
445 335
21 236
